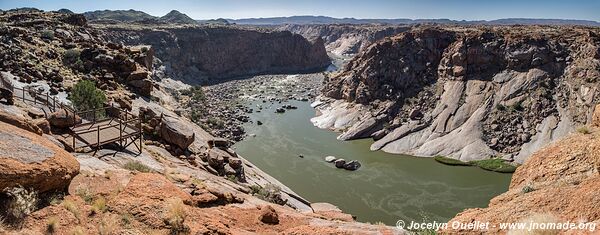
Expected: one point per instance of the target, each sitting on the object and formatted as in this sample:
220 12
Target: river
386 188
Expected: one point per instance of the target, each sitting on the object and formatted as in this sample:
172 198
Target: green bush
136 166
85 96
495 164
47 34
583 130
71 58
196 93
451 161
270 193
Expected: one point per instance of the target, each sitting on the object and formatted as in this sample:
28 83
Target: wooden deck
97 134
100 126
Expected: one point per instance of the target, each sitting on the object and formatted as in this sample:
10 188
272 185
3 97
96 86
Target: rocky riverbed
224 107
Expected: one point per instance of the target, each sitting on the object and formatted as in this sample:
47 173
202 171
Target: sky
412 9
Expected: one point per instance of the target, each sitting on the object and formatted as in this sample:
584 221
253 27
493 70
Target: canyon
526 95
466 93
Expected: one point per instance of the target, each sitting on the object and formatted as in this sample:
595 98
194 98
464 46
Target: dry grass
78 231
85 193
109 226
99 206
176 215
72 207
584 130
52 225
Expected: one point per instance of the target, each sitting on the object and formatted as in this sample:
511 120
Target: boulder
63 119
32 161
235 163
340 163
352 165
330 158
43 124
176 132
19 122
143 86
596 116
7 95
268 215
216 157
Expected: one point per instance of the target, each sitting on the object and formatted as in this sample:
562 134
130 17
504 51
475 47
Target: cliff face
556 184
213 53
467 93
345 40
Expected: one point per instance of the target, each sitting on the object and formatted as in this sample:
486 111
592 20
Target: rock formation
209 54
345 39
32 161
466 92
556 184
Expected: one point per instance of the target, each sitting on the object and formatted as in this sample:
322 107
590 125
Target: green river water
386 188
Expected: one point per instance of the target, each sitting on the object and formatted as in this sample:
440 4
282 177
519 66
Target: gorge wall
466 92
209 54
345 39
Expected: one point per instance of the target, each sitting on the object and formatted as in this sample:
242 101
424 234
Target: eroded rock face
557 183
345 40
208 54
32 161
467 93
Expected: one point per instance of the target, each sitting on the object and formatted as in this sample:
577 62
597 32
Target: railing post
120 133
98 138
74 134
141 135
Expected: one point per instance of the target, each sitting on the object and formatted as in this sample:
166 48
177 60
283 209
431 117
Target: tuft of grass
85 193
583 130
176 215
108 226
99 206
72 207
495 164
77 231
126 219
52 225
137 166
451 161
232 178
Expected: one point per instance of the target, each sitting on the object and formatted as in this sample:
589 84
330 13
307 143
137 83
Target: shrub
232 178
451 161
175 216
47 34
144 49
500 107
270 193
71 58
583 130
84 193
85 96
196 94
52 225
21 202
495 164
136 166
527 189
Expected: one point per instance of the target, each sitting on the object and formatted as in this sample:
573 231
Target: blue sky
451 9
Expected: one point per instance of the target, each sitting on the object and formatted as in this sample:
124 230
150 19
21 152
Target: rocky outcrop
345 39
64 119
555 185
208 54
175 132
466 93
32 161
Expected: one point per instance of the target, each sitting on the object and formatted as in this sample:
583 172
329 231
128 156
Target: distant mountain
65 11
219 21
176 17
118 15
331 20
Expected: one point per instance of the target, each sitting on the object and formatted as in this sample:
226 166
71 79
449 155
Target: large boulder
20 122
32 161
143 86
64 119
176 132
